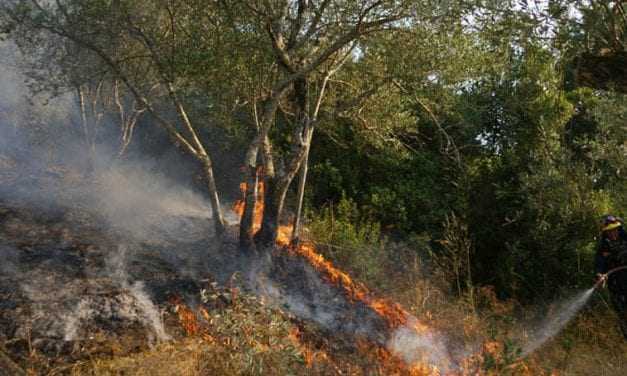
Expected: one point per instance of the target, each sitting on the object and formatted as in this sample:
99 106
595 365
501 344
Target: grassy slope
247 337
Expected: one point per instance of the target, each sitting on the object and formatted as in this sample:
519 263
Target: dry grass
590 344
248 338
177 358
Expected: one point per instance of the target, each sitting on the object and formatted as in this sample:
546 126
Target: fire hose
603 277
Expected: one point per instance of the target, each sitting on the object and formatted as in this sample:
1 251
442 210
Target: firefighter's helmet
610 222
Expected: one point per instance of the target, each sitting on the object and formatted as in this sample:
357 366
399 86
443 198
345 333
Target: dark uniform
613 254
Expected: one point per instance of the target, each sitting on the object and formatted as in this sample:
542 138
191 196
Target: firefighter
612 254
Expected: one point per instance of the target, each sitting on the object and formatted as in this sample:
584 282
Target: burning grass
271 341
454 338
227 331
396 319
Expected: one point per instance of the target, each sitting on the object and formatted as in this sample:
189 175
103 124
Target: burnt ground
75 285
69 291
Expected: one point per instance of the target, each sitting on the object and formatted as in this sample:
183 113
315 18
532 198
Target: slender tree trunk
85 126
204 158
213 195
246 228
127 122
302 179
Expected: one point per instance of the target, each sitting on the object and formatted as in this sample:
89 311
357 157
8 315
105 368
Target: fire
186 316
393 314
239 205
310 355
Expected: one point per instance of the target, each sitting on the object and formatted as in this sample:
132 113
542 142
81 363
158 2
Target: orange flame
186 316
310 355
393 314
239 205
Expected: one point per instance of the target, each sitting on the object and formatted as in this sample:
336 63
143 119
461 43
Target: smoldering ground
52 208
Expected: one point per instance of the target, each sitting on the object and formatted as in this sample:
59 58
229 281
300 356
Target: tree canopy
505 115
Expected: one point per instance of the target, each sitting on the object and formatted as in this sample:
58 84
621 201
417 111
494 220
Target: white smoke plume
146 311
41 155
420 347
72 322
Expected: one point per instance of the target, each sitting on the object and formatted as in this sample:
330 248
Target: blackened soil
73 287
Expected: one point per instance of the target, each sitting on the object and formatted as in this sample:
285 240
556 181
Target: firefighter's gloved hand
601 279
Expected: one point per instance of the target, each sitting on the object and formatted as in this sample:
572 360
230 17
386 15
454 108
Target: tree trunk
277 187
127 122
86 134
273 205
247 223
218 219
247 231
302 179
276 191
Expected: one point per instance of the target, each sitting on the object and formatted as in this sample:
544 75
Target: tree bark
86 134
247 241
247 222
276 191
277 186
213 195
302 179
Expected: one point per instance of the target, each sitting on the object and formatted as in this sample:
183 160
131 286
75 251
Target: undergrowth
473 319
238 334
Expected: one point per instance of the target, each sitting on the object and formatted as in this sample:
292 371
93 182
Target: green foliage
350 239
533 211
254 340
452 108
538 166
406 194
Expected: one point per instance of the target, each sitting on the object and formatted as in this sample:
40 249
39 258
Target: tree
309 41
138 44
592 34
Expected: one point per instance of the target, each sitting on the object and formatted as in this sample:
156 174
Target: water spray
565 311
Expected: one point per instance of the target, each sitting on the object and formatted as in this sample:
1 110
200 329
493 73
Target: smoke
132 303
563 312
61 305
27 121
73 321
419 347
146 206
304 292
147 312
42 166
43 161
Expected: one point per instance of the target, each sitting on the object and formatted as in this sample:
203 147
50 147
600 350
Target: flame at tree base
420 348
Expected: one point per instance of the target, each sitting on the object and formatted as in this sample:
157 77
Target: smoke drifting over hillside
40 137
42 160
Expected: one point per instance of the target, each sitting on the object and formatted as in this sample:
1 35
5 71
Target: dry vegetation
246 337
